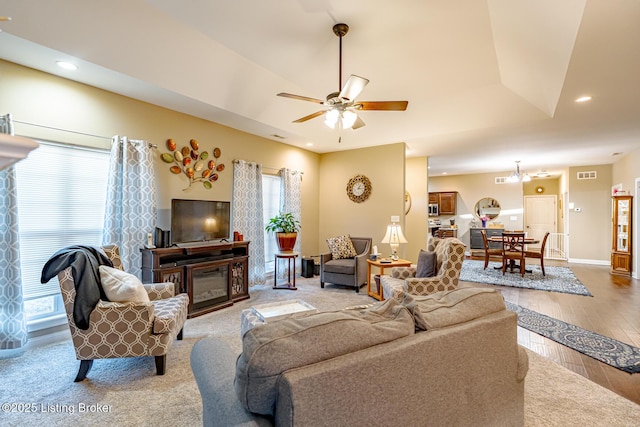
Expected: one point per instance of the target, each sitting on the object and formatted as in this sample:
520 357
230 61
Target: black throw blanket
84 262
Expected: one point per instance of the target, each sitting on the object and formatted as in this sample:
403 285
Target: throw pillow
122 287
341 247
427 264
270 350
443 309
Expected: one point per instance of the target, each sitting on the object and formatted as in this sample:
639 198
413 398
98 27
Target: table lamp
394 236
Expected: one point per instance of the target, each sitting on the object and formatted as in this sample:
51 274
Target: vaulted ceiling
489 82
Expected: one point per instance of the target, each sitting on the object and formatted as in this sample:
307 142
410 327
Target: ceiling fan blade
309 117
358 123
353 87
300 97
383 105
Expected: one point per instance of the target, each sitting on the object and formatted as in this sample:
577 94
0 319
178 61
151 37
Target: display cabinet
621 235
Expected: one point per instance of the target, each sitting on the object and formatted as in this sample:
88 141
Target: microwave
433 209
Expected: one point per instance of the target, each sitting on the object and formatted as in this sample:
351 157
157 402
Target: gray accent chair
347 272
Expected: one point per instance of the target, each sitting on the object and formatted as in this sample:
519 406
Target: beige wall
590 229
474 187
625 171
39 98
416 220
385 168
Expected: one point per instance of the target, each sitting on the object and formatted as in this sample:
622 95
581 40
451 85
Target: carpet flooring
607 350
557 279
126 392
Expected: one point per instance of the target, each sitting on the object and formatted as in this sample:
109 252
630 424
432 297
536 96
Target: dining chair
538 253
488 251
512 251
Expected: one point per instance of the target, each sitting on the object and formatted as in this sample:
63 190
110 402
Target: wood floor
614 311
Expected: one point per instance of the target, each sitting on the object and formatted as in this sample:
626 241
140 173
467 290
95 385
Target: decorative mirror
488 207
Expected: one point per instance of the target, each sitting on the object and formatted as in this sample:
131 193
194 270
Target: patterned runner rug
607 350
557 279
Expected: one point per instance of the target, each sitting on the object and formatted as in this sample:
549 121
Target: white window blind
61 196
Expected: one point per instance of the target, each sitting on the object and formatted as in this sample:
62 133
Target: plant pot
286 241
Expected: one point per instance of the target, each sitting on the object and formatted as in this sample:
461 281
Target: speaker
307 267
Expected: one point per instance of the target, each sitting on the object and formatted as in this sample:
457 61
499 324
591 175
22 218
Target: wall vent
501 180
588 175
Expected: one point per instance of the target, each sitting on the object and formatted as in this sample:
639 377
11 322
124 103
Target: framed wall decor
359 188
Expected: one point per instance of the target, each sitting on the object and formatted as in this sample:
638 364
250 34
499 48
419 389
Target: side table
382 264
290 257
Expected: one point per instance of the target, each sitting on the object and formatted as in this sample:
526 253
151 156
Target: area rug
607 350
557 279
127 392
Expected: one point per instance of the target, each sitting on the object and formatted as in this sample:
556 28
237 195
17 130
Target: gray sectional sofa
450 358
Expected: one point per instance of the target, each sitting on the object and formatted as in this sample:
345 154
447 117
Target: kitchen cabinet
446 201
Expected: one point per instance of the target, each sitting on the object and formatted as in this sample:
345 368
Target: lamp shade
394 235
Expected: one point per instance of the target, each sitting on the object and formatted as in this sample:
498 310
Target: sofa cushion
340 266
278 346
119 286
427 264
447 308
341 247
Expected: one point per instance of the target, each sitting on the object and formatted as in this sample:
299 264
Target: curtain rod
63 130
73 131
269 167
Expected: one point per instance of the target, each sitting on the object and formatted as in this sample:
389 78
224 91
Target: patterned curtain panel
247 215
291 201
130 212
13 325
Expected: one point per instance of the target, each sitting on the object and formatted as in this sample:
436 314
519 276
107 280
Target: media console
214 275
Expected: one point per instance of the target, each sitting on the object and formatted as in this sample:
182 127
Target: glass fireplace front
210 285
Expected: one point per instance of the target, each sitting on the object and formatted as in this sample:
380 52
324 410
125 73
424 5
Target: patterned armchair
449 257
126 329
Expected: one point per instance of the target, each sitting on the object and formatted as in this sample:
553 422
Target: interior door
540 216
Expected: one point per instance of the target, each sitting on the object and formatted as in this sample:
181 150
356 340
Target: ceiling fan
342 105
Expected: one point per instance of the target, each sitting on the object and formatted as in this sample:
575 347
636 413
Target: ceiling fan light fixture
331 118
348 119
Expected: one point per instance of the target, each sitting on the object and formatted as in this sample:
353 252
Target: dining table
512 262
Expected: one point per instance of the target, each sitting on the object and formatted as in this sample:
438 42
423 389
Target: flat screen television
199 221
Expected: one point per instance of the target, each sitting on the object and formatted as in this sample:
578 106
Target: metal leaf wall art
197 165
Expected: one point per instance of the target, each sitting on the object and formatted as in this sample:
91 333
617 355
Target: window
270 208
61 195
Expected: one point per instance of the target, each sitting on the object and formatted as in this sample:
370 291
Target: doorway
540 216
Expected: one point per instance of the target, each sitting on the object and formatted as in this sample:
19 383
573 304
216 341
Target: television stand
200 243
213 274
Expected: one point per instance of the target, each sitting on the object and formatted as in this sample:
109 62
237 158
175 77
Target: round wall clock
359 188
540 189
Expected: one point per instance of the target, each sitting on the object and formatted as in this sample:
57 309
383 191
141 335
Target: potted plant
286 228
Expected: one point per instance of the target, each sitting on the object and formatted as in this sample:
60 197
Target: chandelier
517 176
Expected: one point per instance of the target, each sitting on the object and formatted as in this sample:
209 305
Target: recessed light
309 144
67 65
584 98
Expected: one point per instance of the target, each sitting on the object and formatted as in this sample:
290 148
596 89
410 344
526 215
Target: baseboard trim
47 339
588 261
